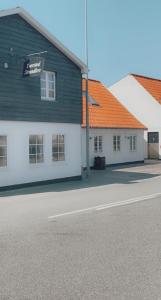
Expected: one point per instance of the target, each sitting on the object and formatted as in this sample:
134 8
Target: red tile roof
109 112
152 85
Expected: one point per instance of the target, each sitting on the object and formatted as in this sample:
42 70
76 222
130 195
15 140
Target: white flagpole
87 108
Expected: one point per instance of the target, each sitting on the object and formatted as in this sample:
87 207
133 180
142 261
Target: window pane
55 156
51 76
3 161
95 143
32 139
39 139
55 148
32 159
100 143
51 94
3 151
32 150
55 138
39 149
3 140
134 142
61 147
61 156
51 85
61 138
40 158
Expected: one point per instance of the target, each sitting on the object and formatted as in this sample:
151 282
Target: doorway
153 145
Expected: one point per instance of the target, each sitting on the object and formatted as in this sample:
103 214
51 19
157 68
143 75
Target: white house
142 97
114 132
40 104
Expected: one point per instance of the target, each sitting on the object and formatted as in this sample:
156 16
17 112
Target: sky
124 35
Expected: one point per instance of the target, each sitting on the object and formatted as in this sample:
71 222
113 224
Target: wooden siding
20 97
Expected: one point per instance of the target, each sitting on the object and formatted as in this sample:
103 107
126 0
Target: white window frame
98 144
58 135
4 156
116 143
47 89
133 143
37 153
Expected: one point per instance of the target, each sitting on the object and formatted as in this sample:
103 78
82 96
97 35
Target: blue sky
124 35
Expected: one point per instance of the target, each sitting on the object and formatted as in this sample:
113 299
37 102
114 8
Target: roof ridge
44 31
94 80
143 76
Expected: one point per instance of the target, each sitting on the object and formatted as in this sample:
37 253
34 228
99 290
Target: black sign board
33 66
153 137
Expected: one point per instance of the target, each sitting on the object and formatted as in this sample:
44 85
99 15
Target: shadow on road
125 174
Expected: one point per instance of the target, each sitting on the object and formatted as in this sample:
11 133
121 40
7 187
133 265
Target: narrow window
48 86
95 144
98 144
3 151
116 143
133 143
36 149
58 147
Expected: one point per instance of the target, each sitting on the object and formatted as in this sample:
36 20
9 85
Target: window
36 151
48 86
132 143
58 147
98 144
3 151
116 143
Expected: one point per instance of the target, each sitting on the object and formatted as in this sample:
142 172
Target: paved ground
87 249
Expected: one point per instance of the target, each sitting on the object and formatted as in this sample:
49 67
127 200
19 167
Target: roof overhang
50 37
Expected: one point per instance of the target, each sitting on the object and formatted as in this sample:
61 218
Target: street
96 239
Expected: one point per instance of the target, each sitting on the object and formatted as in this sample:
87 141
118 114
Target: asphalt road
68 242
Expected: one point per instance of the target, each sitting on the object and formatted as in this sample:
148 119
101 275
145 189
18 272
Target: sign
33 66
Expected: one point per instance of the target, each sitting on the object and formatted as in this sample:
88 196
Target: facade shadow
126 174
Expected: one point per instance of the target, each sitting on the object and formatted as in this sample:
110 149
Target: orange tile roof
110 113
152 85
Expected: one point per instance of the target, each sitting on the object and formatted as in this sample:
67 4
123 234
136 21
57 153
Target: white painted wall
19 170
125 155
140 103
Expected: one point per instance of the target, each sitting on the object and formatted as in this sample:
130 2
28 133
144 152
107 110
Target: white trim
34 23
47 98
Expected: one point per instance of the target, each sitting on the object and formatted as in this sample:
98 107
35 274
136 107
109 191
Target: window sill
59 162
48 99
37 165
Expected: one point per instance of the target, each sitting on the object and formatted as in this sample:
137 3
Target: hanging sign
33 66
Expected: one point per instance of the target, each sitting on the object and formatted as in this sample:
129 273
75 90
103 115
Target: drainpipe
87 107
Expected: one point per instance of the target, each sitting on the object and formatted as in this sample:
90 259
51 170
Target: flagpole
87 94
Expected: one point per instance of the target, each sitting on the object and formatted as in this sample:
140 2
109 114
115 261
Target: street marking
129 201
106 206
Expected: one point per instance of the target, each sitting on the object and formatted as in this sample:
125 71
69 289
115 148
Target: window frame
116 143
58 144
47 89
98 143
36 152
5 157
133 143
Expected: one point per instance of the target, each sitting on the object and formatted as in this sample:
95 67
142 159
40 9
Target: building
114 132
142 97
40 113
